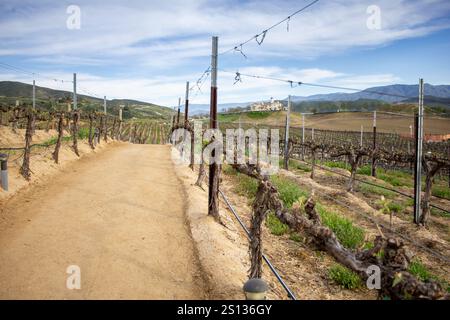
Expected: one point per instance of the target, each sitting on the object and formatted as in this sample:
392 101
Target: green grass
370 190
275 226
299 166
441 191
395 178
294 164
289 191
258 114
365 170
246 186
418 269
228 117
295 236
394 181
344 277
349 235
396 207
337 164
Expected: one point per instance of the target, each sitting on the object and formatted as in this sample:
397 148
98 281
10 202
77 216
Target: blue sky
146 50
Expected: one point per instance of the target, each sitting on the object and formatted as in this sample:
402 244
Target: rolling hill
397 93
46 98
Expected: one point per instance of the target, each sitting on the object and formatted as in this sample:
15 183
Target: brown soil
328 186
352 121
304 269
118 215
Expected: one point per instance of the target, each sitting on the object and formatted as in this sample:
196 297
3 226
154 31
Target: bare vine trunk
313 162
105 130
91 131
396 281
60 135
256 244
25 168
75 118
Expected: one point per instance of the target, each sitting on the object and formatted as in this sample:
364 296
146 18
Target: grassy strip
368 190
418 269
344 277
349 235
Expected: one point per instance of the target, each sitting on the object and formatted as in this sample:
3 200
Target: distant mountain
396 93
49 98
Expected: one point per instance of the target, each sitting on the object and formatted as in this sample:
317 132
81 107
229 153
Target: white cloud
147 49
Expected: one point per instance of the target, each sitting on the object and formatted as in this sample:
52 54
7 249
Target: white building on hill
272 105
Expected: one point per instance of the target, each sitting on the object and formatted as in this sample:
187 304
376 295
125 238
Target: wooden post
178 114
286 135
34 94
74 91
374 160
418 158
361 138
214 169
303 137
186 104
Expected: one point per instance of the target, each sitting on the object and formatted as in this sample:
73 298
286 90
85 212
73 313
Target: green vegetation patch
275 226
441 191
289 191
258 114
418 269
349 235
337 164
368 190
344 277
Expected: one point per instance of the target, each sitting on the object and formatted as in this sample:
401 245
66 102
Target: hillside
47 98
339 121
395 92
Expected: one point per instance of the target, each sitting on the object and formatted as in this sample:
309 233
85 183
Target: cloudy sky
147 50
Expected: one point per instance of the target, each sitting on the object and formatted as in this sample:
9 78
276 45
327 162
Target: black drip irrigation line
375 185
272 268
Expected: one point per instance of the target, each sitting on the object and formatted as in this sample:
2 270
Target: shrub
349 235
275 226
344 277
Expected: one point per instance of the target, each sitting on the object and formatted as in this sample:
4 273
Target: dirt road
118 215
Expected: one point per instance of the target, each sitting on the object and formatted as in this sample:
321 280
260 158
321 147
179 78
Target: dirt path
117 215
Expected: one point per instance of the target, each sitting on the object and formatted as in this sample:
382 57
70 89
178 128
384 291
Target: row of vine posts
100 127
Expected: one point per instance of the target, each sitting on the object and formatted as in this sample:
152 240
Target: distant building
272 105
